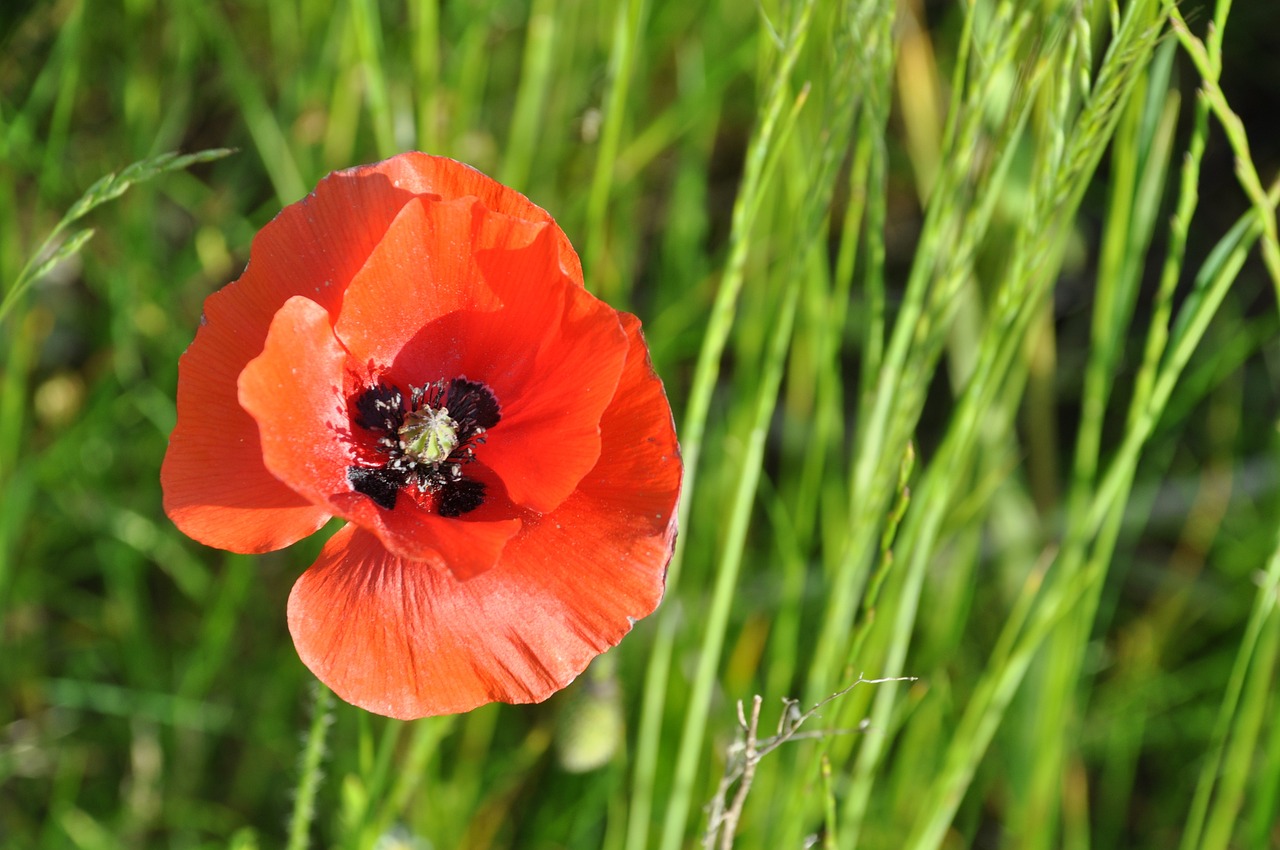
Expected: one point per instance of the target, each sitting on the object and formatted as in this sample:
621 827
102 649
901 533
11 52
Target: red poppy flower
411 348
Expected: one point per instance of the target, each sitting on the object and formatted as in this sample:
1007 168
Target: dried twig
746 752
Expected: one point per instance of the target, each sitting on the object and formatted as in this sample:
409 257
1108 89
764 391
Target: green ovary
429 435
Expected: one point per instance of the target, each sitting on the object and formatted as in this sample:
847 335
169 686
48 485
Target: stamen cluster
426 442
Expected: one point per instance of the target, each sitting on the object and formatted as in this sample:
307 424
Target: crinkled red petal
406 639
550 352
640 470
466 546
423 269
549 436
216 487
448 179
295 390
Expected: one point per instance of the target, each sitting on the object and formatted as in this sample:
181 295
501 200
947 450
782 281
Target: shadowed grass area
968 316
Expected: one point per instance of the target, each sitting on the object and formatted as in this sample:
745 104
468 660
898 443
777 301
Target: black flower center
424 441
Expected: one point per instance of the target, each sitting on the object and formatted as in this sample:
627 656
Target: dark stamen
473 406
460 497
380 483
468 406
380 408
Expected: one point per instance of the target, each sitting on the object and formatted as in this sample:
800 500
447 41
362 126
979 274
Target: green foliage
60 246
971 332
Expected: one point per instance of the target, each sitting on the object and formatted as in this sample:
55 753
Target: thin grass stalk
1068 183
628 28
1019 644
919 539
368 34
890 411
223 601
1211 285
15 482
924 352
726 572
1042 612
868 178
1234 742
827 301
531 94
1030 621
792 503
942 301
706 374
469 78
424 744
1259 821
1157 336
1208 61
1125 58
1128 235
424 17
260 119
476 745
717 617
788 622
1241 757
55 141
363 812
310 772
813 374
346 104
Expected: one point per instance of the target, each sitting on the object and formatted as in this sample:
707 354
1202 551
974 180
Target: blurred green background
970 388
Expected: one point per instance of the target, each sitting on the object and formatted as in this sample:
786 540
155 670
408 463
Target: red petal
640 468
407 640
423 269
448 179
605 550
217 490
551 355
296 391
467 545
216 487
549 435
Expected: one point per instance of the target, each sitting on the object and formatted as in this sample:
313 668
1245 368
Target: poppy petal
295 391
551 355
466 546
607 547
549 436
216 487
640 470
423 268
404 639
448 179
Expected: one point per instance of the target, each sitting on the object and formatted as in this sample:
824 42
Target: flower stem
310 773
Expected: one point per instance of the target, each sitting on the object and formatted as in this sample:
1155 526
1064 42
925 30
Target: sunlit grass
970 390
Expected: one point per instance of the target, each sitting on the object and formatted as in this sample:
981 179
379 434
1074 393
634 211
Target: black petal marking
383 410
380 408
380 483
460 497
473 406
